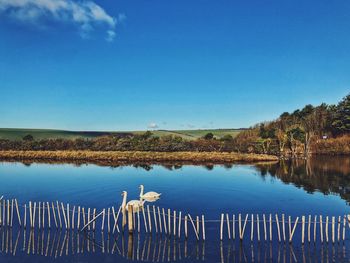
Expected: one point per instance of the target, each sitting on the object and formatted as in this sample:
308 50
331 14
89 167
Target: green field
18 134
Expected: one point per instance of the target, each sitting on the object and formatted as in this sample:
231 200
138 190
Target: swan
136 204
149 196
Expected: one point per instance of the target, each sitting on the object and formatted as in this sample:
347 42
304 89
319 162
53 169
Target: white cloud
152 125
84 14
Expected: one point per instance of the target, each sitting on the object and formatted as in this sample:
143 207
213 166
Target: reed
134 156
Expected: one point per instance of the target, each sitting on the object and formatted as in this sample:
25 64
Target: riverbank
135 156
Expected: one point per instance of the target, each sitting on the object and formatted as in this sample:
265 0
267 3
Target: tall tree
341 122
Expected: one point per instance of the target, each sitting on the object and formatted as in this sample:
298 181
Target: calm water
320 186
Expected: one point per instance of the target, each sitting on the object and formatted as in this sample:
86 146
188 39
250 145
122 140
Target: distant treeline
137 142
322 129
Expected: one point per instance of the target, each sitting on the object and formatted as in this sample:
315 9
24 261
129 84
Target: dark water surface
320 186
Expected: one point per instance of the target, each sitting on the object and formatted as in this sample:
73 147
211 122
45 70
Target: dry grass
339 145
117 157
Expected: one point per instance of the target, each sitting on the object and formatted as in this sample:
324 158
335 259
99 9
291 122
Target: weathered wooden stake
290 226
59 214
186 227
73 217
169 222
174 226
39 215
315 221
12 204
333 223
30 214
326 227
309 229
18 215
138 221
338 234
258 227
252 228
54 214
203 228
228 226
265 232
129 215
64 216
48 214
270 218
194 227
144 219
91 221
278 228
160 220
43 214
164 221
233 227
321 229
78 223
4 212
222 225
25 216
109 221
302 229
88 217
344 226
244 225
34 212
283 228
130 219
149 219
179 230
294 227
134 218
68 218
116 220
155 219
197 224
8 212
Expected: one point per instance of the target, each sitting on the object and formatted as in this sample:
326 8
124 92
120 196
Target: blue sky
130 64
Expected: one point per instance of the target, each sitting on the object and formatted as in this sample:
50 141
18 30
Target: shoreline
131 157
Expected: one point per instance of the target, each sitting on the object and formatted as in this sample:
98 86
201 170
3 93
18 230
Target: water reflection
56 244
282 253
319 173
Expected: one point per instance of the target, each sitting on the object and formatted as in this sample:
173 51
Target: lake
319 186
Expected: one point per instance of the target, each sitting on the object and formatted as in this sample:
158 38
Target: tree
227 138
28 138
282 139
341 122
295 134
208 136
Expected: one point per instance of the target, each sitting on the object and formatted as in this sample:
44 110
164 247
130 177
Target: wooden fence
62 243
161 221
49 215
313 228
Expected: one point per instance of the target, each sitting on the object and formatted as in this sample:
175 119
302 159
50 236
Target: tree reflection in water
319 173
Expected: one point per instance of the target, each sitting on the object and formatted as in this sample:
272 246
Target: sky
161 64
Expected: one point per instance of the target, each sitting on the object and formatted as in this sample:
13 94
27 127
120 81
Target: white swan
149 196
136 204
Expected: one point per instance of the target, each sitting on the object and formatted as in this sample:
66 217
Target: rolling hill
18 134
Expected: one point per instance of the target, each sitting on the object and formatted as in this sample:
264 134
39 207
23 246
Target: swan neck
141 193
124 200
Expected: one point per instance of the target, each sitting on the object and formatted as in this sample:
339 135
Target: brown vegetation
340 145
135 156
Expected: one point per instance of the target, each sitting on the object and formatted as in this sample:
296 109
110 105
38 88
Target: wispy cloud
152 125
86 15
